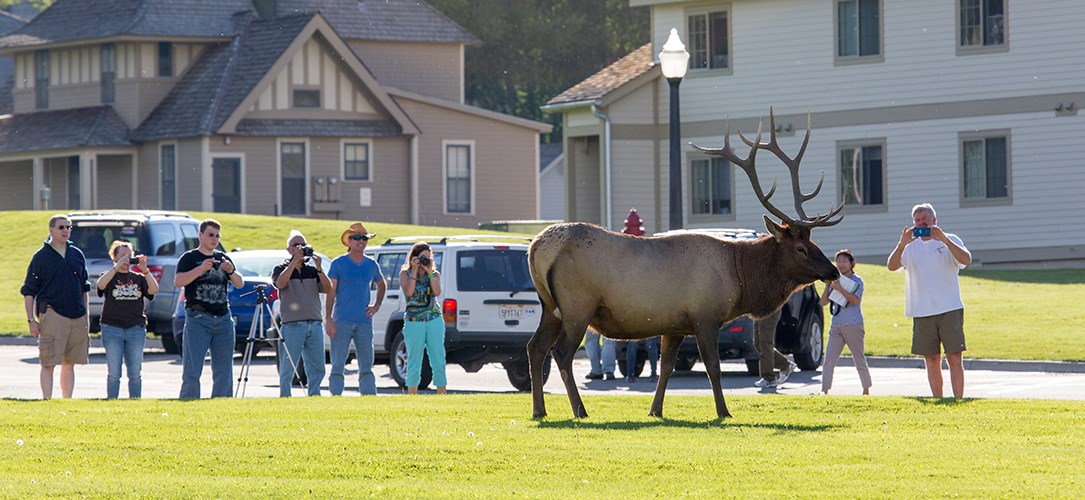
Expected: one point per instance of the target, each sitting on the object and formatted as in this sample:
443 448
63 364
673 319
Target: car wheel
398 365
684 363
519 373
170 344
809 356
753 366
638 367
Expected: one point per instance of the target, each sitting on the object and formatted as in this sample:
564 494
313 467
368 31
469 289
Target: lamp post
674 60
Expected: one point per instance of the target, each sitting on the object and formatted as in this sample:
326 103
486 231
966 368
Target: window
858 25
306 98
41 79
109 72
356 161
983 23
165 59
168 166
711 186
862 175
458 178
985 162
708 47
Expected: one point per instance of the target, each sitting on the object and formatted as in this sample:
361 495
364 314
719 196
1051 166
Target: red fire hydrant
633 224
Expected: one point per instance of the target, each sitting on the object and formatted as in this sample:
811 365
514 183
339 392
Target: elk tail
541 257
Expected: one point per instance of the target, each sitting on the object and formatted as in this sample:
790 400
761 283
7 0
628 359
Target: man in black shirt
56 297
205 273
300 281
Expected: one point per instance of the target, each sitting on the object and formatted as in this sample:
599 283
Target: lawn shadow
573 423
944 401
1032 276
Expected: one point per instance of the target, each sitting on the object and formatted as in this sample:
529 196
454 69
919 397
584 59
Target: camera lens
424 260
307 250
133 261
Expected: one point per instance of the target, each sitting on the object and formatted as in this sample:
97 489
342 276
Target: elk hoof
656 413
725 415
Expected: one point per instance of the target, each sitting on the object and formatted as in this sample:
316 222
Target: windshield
94 238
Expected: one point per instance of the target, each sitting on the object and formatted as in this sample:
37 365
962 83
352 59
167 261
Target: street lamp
674 60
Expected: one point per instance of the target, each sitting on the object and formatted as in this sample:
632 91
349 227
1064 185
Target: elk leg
708 347
564 352
548 332
668 355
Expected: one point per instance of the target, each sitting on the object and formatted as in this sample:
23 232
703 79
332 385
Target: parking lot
905 377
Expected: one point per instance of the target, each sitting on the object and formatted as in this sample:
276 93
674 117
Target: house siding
149 177
315 67
431 69
115 181
190 165
17 185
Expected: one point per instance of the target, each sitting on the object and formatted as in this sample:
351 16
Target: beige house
314 108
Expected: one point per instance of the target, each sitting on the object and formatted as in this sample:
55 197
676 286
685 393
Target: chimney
264 8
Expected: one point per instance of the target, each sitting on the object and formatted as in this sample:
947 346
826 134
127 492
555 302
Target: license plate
511 312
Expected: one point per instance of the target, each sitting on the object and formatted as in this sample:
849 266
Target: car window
94 238
163 239
191 235
390 262
492 270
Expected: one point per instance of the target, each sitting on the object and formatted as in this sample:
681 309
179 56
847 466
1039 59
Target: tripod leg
246 360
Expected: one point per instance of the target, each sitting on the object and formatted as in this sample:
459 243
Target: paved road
162 379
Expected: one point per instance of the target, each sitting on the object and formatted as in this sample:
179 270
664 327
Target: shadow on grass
1033 276
680 424
932 401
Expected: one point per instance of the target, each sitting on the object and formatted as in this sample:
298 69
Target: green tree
532 50
40 4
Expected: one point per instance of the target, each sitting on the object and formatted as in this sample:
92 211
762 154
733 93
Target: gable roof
540 127
70 128
68 21
216 92
601 84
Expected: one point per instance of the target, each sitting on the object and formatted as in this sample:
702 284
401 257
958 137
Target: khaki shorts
63 341
946 329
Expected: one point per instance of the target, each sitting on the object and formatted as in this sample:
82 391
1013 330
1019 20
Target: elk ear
775 229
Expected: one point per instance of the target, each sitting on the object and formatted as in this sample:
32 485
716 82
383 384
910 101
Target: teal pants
428 335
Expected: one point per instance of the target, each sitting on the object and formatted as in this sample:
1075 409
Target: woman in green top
424 327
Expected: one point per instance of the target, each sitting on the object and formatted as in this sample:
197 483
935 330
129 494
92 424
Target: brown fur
629 288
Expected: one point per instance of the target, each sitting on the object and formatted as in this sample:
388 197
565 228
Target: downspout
415 209
607 192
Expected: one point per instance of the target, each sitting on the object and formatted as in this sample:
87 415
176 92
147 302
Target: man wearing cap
349 317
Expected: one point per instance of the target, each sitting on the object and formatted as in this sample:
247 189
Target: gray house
318 108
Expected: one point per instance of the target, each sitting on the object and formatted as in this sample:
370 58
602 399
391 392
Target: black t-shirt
123 307
208 291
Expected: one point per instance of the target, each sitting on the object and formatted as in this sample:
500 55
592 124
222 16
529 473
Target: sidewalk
1002 365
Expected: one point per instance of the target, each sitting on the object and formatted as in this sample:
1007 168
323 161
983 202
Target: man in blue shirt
349 317
55 294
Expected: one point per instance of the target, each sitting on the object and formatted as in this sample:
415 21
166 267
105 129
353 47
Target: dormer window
109 72
165 59
306 98
41 79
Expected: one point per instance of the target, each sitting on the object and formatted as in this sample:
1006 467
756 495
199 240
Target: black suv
799 331
161 236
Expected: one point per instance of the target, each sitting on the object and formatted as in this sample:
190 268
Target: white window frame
984 135
841 146
279 173
343 143
858 59
705 11
472 162
981 48
695 218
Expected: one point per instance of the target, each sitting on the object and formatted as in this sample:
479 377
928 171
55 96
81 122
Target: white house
970 105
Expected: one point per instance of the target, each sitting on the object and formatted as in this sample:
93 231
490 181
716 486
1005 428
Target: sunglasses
63 228
356 237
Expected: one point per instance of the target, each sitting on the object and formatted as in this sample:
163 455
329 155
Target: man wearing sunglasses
206 273
349 317
300 281
56 297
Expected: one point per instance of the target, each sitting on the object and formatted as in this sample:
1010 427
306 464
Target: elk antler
748 165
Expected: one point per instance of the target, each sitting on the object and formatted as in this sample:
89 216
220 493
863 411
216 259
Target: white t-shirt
930 278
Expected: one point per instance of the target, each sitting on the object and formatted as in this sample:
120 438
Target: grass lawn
486 446
1034 315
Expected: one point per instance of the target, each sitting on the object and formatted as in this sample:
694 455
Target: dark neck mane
764 285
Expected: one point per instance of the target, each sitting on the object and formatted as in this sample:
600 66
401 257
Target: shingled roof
386 20
608 79
10 22
70 128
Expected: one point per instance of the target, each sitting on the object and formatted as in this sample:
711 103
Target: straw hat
356 228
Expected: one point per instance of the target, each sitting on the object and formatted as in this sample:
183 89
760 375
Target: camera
921 232
307 251
425 261
133 261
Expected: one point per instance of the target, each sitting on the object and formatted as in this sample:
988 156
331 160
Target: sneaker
786 372
653 378
764 383
594 376
608 376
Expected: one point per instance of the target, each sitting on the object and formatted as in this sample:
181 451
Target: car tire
753 366
812 344
171 344
397 366
519 373
639 364
684 363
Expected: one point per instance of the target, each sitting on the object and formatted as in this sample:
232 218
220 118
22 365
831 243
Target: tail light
448 310
155 271
274 295
735 328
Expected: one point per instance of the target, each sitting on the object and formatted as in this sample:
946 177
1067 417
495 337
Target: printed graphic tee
123 307
208 291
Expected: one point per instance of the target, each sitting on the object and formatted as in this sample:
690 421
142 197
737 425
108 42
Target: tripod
256 334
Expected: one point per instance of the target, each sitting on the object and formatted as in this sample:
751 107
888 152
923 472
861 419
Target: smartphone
921 232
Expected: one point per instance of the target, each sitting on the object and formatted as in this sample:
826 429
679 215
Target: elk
629 287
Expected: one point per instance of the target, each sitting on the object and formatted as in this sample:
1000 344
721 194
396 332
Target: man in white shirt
931 259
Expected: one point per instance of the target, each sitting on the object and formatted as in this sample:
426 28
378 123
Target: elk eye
802 250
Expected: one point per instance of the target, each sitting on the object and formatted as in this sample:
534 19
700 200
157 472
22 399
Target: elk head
803 260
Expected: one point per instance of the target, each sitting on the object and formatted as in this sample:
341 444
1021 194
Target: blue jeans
428 335
304 339
601 362
362 335
205 332
123 345
652 345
